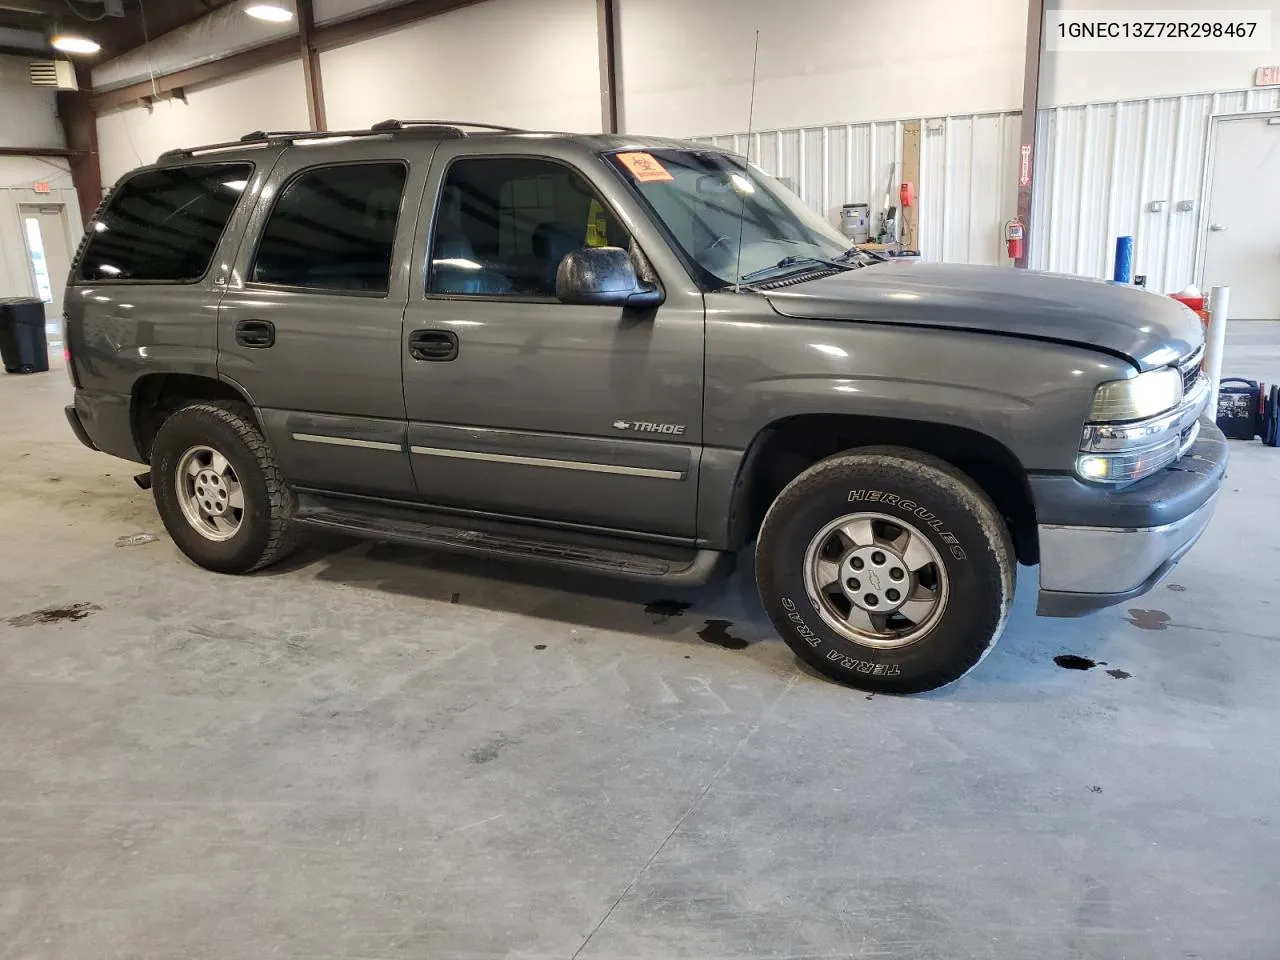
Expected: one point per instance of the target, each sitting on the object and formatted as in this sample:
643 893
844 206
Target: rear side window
333 228
164 224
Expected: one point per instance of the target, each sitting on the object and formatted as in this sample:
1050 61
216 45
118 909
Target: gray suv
634 357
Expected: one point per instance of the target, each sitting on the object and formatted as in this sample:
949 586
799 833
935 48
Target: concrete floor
374 753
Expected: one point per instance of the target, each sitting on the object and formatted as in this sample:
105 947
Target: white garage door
1243 245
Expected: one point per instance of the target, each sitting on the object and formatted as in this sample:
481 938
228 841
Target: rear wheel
219 491
886 569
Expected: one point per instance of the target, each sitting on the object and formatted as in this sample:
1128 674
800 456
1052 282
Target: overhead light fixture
273 12
74 43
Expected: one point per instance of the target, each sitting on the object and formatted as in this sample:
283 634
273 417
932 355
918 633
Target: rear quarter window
163 225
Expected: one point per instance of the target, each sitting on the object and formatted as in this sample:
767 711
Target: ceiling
95 19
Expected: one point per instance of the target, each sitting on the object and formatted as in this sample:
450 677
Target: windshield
714 205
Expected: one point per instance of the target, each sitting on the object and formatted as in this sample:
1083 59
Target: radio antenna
742 211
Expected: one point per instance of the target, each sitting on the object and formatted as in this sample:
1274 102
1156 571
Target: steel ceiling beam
311 66
34 152
1030 114
606 27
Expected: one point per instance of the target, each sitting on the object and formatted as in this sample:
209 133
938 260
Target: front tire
219 490
886 569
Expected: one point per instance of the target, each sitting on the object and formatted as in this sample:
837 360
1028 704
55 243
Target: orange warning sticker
644 167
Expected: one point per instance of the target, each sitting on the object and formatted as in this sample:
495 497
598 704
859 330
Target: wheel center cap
875 579
211 493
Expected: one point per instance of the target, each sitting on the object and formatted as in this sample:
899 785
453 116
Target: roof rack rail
389 125
265 138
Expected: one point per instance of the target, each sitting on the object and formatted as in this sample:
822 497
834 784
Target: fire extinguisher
1013 238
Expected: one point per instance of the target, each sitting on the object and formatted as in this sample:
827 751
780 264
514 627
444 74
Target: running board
587 553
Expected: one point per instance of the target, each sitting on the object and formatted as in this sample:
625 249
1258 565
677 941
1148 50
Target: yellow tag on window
597 227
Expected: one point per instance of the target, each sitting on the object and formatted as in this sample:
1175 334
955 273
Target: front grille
1189 367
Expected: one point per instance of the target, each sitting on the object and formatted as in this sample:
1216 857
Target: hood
1146 328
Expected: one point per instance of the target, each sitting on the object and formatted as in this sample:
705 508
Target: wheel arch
787 447
157 395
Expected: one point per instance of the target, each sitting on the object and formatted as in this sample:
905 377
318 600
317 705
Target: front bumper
1100 547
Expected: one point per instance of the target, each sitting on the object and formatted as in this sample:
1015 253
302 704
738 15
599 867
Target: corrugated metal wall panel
1102 167
1099 167
962 207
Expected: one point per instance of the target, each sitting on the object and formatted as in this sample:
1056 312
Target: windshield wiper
794 262
854 251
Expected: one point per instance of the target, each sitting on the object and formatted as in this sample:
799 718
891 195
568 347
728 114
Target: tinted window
505 223
164 224
333 228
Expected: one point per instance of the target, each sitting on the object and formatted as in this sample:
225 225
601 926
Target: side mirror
603 276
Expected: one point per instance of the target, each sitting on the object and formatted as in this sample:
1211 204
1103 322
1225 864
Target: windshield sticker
644 167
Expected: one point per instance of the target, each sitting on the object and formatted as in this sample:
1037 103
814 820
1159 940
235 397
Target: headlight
1139 426
1145 395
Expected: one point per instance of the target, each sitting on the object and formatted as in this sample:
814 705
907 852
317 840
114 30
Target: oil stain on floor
717 632
1069 661
77 611
664 610
1149 619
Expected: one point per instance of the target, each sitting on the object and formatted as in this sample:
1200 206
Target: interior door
1242 247
310 324
44 228
522 406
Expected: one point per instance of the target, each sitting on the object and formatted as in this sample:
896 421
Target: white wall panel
224 31
502 61
268 99
966 190
28 115
686 66
1099 168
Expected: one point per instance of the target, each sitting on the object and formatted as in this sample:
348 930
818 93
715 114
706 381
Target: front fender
1028 396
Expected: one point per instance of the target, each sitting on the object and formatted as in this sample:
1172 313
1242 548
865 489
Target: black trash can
23 345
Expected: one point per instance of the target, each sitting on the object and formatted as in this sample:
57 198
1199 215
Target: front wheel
886 569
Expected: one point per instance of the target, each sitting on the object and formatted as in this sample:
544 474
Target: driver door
524 407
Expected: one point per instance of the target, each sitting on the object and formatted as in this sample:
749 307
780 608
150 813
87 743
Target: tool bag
1271 418
1238 406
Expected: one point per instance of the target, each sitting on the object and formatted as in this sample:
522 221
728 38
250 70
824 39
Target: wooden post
911 174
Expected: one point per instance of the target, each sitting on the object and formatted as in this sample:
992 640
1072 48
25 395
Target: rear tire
219 491
886 569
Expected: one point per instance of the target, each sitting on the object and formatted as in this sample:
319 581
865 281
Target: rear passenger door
310 325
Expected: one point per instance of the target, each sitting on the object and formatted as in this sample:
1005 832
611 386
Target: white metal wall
1100 166
1098 169
966 190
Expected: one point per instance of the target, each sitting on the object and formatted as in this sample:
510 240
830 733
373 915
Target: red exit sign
40 186
1267 76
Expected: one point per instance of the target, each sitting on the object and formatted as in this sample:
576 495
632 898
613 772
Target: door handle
1216 227
258 334
434 345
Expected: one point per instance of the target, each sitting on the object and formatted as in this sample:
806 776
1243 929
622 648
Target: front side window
164 224
333 228
504 224
730 219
